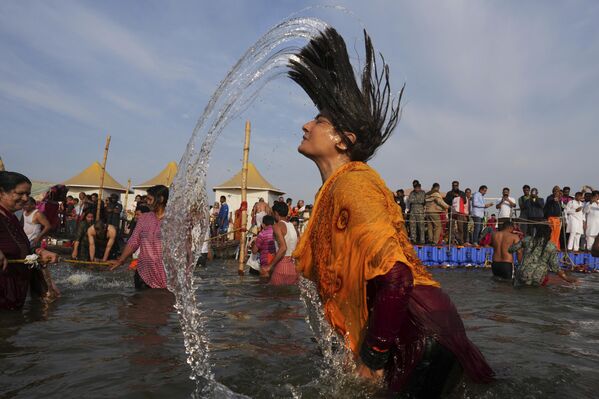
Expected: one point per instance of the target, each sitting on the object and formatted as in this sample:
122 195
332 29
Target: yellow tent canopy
90 178
255 181
165 177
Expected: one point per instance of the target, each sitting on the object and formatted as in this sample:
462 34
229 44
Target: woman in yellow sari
375 291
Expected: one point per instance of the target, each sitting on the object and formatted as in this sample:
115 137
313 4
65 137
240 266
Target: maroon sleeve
389 310
388 299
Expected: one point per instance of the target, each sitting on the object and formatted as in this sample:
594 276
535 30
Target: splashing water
186 219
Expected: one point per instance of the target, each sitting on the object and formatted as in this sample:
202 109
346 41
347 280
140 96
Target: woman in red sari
375 291
17 278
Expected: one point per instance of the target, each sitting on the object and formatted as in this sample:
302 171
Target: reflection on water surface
104 339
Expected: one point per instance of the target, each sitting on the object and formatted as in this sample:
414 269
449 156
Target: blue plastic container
453 256
469 257
441 255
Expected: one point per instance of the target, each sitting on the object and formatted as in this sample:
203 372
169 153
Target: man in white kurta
575 214
591 211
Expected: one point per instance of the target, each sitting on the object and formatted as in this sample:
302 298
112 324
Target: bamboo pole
101 191
73 261
85 262
127 196
244 186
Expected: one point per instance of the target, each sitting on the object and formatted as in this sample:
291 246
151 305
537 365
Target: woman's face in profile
320 139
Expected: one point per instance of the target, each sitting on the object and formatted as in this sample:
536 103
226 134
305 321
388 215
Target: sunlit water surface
104 339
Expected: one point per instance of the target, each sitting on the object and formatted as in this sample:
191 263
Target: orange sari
357 232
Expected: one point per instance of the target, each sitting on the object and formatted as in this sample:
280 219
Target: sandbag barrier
480 257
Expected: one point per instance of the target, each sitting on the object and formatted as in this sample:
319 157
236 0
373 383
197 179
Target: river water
104 339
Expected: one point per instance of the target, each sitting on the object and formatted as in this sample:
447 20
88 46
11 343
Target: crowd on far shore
463 217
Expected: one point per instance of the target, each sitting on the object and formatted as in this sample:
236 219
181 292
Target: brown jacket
435 203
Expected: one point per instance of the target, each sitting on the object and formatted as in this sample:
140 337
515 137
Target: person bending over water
501 241
101 237
375 291
538 258
81 243
148 239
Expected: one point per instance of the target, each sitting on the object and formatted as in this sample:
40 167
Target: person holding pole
376 294
147 237
16 279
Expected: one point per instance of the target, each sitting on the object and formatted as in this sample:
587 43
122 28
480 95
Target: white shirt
506 209
591 212
575 219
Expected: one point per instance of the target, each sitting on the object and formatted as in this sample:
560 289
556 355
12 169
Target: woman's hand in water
265 272
367 373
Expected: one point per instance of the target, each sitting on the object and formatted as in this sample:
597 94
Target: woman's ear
342 144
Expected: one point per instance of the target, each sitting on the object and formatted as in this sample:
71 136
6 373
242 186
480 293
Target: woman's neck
159 212
328 166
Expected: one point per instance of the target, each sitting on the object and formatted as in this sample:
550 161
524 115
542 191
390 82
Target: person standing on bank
416 202
375 292
147 237
506 206
591 212
522 205
534 210
478 212
435 206
553 214
575 227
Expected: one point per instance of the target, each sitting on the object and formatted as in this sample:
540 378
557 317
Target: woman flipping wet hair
374 289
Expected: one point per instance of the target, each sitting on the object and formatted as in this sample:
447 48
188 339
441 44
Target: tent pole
126 202
244 185
101 191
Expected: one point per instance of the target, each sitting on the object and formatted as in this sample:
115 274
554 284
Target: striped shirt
148 239
266 245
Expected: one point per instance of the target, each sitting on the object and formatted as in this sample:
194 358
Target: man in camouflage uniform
416 200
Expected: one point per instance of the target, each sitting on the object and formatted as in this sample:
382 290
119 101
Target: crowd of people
103 237
463 217
273 235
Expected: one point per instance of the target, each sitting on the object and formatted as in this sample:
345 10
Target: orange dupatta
356 233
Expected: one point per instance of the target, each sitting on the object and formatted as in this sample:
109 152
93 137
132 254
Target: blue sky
500 93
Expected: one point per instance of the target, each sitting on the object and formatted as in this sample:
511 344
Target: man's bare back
501 241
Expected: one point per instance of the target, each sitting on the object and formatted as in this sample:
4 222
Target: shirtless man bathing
503 261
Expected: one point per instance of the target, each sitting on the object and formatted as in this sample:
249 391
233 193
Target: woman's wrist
373 357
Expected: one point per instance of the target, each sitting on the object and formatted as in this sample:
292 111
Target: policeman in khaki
416 201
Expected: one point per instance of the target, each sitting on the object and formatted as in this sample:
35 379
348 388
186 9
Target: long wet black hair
322 68
542 237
